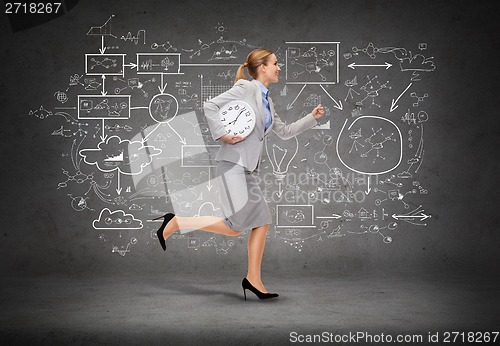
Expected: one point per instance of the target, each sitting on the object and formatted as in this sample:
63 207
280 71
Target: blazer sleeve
212 106
291 130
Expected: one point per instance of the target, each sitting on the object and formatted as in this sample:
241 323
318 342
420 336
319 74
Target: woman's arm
305 123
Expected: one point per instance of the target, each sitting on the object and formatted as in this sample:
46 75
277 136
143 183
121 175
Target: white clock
238 118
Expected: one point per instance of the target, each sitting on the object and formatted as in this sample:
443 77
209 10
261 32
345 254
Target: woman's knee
262 228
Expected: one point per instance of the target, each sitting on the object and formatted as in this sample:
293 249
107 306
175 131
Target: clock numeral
232 116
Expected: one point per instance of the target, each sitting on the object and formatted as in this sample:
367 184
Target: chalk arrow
369 188
102 49
338 104
132 65
280 189
290 105
209 185
334 216
162 86
420 217
182 140
162 89
103 136
153 130
119 189
393 103
103 77
354 65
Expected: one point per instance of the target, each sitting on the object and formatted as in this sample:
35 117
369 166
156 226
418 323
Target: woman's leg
256 243
231 180
203 223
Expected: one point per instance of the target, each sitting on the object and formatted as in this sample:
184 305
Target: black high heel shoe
166 219
248 286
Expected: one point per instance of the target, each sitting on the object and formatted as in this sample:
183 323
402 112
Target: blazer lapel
260 112
271 106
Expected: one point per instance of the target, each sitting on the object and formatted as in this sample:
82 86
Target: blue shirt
265 103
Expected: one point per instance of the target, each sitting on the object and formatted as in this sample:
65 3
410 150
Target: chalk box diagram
312 63
103 106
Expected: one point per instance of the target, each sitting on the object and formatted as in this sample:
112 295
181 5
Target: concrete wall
48 214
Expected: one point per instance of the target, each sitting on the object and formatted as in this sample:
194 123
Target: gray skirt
242 203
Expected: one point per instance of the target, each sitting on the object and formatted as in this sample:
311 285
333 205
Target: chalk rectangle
156 63
103 106
199 155
312 63
104 64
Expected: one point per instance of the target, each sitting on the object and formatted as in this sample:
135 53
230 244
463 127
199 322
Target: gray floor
192 308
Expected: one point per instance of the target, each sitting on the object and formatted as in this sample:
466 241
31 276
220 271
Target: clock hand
236 118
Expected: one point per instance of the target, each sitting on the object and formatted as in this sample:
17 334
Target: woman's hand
318 112
232 139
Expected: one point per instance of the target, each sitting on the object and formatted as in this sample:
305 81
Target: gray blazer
247 153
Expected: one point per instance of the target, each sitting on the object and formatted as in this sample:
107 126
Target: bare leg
256 243
203 223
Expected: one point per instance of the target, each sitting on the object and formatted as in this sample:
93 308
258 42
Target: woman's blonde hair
255 58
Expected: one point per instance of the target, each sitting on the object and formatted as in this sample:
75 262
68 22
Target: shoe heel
245 294
247 285
166 219
169 215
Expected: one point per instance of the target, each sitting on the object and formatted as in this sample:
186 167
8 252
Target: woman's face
270 71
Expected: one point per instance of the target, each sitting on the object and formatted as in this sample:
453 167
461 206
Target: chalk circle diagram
370 145
163 108
78 203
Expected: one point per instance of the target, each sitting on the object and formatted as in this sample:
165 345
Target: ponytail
255 58
240 74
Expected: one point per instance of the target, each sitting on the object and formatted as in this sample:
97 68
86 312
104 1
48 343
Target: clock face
238 118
